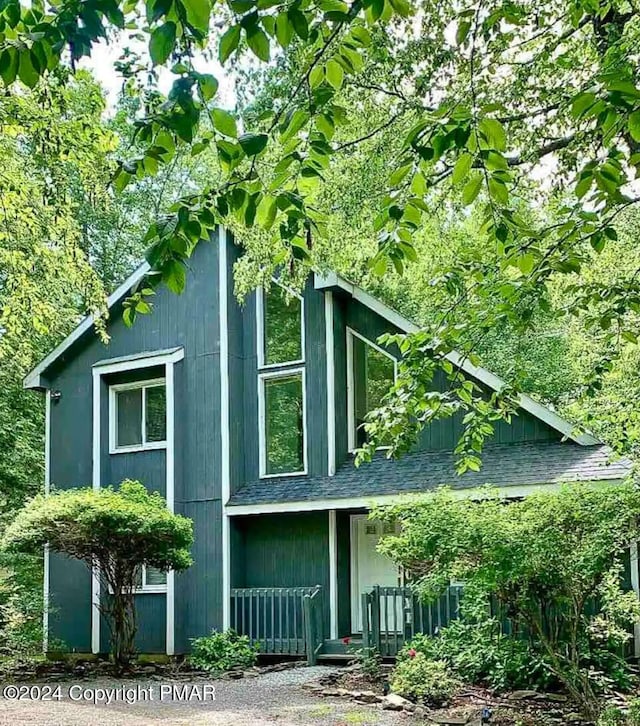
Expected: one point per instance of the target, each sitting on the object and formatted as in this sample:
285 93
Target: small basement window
150 579
282 327
372 372
282 436
138 416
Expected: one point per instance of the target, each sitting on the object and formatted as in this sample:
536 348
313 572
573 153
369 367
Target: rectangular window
150 579
282 327
282 424
372 373
138 416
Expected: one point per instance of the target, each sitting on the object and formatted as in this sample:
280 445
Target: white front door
369 568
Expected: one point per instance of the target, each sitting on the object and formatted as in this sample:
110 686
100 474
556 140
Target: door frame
355 588
354 562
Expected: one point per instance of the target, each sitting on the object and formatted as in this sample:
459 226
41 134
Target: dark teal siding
190 320
69 605
145 466
443 434
343 531
284 550
199 589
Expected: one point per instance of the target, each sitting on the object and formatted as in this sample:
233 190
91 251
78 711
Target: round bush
421 679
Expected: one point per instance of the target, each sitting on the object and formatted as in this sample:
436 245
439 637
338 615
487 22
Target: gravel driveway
276 697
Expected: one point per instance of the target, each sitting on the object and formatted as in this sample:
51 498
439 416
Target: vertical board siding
343 527
148 467
198 590
442 434
285 550
151 635
189 320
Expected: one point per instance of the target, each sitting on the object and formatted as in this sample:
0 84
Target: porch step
334 657
339 647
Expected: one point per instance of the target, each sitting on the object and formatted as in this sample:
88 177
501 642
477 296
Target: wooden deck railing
393 615
276 618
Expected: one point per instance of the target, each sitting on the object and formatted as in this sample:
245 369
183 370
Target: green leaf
162 42
224 122
464 26
26 69
198 12
634 125
582 103
316 76
472 189
266 213
462 168
335 74
284 30
9 65
402 7
399 174
208 85
174 276
300 23
253 144
493 131
525 263
228 43
258 41
498 190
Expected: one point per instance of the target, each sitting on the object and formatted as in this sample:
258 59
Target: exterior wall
243 382
282 550
439 435
190 320
277 550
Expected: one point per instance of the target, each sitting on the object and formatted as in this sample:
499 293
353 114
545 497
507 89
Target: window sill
153 446
275 366
276 476
151 590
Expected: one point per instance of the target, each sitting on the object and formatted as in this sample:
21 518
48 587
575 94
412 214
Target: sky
105 53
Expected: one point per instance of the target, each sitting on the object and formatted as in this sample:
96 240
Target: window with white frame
281 383
371 371
138 415
149 579
280 327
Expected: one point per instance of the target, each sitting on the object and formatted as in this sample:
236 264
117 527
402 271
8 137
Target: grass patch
360 717
320 711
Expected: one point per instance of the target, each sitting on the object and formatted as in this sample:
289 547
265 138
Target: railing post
364 605
375 619
308 630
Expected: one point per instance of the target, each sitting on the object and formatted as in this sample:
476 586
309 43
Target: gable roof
540 411
511 467
331 281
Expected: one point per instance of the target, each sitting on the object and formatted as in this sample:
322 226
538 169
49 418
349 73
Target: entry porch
312 584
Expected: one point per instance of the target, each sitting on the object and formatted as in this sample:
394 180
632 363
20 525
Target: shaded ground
276 697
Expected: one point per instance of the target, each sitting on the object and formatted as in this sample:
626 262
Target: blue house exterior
244 418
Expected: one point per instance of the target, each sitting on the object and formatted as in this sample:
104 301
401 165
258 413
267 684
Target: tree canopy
526 113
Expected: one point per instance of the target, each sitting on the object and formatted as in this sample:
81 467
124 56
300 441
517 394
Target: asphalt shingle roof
504 465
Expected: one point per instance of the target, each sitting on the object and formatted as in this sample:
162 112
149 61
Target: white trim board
333 574
329 344
333 280
33 379
225 426
316 505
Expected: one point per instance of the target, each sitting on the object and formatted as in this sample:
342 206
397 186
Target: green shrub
223 651
421 679
613 716
478 653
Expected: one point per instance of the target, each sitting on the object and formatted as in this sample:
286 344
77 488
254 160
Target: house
244 417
